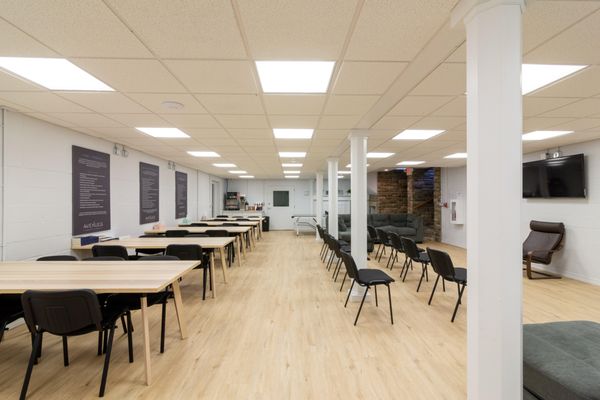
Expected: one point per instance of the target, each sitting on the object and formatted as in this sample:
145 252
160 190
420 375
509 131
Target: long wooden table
239 231
255 223
102 277
215 243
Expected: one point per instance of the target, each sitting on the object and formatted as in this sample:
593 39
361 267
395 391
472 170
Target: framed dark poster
149 193
91 190
180 194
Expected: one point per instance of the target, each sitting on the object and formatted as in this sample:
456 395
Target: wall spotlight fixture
124 152
171 165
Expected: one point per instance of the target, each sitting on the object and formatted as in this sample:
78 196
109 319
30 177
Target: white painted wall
453 186
37 190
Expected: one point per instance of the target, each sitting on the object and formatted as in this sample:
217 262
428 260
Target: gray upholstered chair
543 241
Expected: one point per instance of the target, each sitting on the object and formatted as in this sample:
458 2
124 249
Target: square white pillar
319 200
358 197
332 183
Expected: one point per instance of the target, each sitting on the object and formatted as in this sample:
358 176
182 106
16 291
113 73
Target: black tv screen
555 177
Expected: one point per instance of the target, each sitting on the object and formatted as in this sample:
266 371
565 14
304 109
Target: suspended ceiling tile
282 104
191 120
419 105
366 77
349 105
455 108
395 122
538 105
139 120
579 124
104 102
11 83
542 123
294 121
87 120
16 43
338 121
154 103
83 28
396 30
298 29
459 55
251 133
184 29
44 102
231 103
578 109
432 122
243 121
584 83
214 76
447 79
200 133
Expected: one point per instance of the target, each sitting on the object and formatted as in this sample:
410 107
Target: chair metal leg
123 324
338 271
408 264
460 293
361 304
104 342
163 326
338 264
426 271
65 351
37 341
376 301
349 291
390 300
424 268
444 284
100 336
433 291
204 283
129 337
344 280
111 335
2 329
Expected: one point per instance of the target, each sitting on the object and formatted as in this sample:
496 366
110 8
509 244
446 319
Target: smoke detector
172 105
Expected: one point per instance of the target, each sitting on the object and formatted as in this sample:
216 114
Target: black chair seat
423 257
373 276
460 275
131 301
346 249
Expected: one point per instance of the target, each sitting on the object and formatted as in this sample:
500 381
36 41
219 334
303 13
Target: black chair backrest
221 219
158 258
185 251
410 248
110 251
197 235
104 258
372 232
231 224
149 236
320 231
57 258
222 216
242 219
177 233
441 263
544 238
396 241
61 312
351 267
382 235
336 247
218 233
199 224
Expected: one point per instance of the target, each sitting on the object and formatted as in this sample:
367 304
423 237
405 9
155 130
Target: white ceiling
397 67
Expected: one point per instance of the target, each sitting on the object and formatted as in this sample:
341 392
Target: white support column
319 200
332 183
494 129
358 197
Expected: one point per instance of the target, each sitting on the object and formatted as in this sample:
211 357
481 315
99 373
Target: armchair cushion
543 240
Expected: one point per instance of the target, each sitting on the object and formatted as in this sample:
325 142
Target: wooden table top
237 219
162 242
201 229
100 276
220 223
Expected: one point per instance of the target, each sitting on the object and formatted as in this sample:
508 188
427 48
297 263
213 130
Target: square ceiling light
240 172
285 133
535 76
247 176
350 165
418 134
294 76
457 155
291 176
164 132
291 165
53 73
203 154
409 163
225 165
292 154
543 135
291 172
344 172
379 155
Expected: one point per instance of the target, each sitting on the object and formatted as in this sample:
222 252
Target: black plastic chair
199 224
337 248
374 238
385 242
222 216
197 235
147 252
193 252
397 248
10 311
176 233
57 258
104 258
66 313
230 248
231 224
443 266
366 278
413 254
110 251
321 236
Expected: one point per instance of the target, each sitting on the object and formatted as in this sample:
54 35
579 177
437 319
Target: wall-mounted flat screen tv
555 177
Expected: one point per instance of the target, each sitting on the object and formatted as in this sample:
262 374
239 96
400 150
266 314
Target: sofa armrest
417 224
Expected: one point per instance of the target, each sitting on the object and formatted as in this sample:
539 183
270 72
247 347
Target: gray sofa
407 225
561 360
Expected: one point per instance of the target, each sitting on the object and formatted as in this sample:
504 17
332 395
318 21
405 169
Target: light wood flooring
278 330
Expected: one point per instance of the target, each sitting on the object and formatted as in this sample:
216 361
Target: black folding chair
176 233
366 278
57 258
193 252
385 242
10 311
110 251
443 266
413 254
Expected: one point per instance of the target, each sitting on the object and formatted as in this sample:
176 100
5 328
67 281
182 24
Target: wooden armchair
543 241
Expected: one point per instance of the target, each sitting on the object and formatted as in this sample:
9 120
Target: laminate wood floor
278 330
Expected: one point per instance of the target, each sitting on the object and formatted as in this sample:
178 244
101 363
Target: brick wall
391 192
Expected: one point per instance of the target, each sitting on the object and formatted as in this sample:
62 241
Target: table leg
223 263
212 274
179 309
252 243
144 308
243 243
239 256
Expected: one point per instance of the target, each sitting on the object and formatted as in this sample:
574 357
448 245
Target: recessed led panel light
291 165
292 154
350 165
238 172
418 134
247 176
164 132
542 135
291 176
53 73
291 172
379 155
294 76
457 155
203 154
340 176
225 165
344 172
405 163
535 76
284 133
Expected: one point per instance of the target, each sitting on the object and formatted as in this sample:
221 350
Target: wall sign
90 191
180 194
149 193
